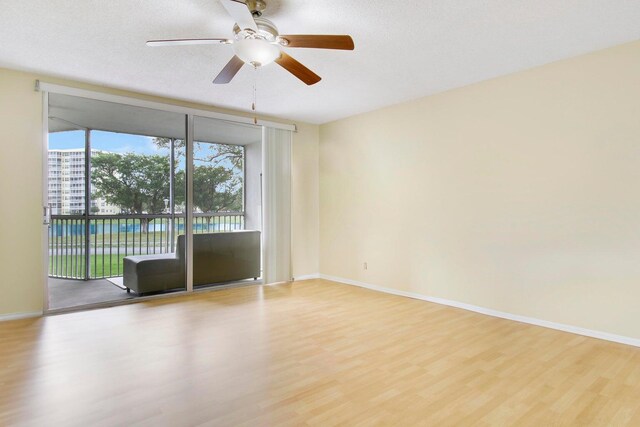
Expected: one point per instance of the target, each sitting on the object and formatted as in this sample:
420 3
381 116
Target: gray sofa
217 258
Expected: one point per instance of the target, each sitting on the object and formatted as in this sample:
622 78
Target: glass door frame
190 113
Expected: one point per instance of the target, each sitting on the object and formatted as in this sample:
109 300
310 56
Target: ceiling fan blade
320 41
183 42
240 13
298 70
229 71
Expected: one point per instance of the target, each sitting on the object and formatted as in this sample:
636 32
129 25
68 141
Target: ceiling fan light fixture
256 52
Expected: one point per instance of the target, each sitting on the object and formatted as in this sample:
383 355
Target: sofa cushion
155 264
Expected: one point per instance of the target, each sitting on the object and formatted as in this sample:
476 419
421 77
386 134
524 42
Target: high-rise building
66 184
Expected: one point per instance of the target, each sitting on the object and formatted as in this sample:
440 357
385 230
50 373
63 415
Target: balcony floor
64 293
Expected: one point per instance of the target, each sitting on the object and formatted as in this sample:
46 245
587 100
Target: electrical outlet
365 266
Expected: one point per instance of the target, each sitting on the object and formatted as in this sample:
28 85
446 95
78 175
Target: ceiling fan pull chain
255 84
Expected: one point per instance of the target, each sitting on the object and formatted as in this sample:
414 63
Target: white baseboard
490 312
307 277
16 316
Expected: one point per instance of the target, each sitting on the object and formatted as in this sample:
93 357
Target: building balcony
86 252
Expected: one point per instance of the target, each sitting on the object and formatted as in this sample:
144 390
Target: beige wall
21 265
519 194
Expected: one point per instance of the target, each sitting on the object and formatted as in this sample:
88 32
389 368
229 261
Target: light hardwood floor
309 353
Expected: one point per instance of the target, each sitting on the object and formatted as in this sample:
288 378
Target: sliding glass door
66 186
226 208
116 192
149 201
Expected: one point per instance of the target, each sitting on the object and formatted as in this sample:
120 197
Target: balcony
78 250
86 253
108 158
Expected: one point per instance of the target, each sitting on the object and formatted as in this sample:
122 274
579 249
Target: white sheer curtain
276 205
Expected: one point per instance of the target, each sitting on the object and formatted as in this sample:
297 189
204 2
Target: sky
107 141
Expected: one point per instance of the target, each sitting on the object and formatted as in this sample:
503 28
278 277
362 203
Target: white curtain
276 205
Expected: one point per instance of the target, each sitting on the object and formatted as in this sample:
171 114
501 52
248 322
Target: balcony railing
94 248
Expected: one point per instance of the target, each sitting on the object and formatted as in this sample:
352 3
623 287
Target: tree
139 184
217 179
216 189
214 153
135 183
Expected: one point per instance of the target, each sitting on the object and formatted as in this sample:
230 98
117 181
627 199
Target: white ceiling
404 49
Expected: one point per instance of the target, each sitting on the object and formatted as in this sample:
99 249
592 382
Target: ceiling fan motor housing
257 47
267 30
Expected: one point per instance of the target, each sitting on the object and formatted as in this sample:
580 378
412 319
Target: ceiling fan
256 41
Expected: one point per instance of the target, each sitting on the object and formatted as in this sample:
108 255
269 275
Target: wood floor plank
307 353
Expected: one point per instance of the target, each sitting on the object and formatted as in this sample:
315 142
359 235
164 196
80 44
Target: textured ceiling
404 49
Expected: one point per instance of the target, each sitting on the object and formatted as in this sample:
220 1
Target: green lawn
73 266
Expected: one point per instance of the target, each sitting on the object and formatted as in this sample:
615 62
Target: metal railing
94 248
